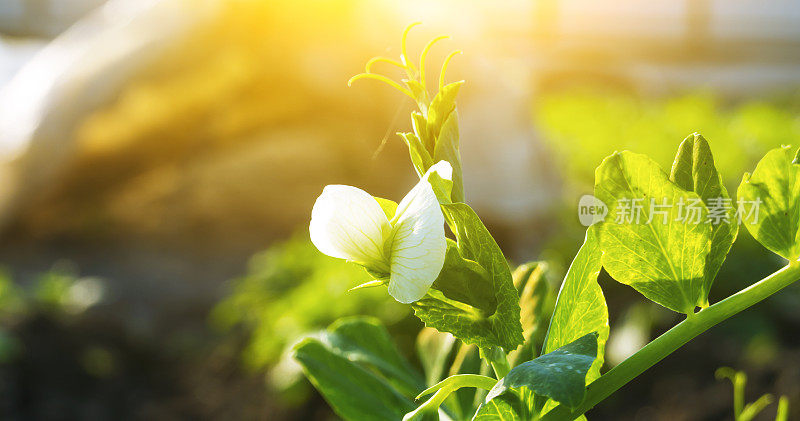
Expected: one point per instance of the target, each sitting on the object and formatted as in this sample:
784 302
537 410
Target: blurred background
159 161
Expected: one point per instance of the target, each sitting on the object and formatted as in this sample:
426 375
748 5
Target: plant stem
498 360
501 367
676 337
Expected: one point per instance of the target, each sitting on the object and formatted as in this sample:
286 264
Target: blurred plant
746 412
291 289
581 127
58 292
12 297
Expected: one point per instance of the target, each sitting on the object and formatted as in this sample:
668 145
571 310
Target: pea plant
746 412
664 234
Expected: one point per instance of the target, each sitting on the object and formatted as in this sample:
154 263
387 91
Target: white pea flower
348 223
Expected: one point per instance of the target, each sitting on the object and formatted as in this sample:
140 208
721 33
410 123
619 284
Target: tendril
368 67
424 55
383 79
444 67
404 50
415 84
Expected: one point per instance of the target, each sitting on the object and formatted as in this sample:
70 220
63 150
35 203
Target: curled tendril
444 67
368 67
381 78
424 55
409 68
404 50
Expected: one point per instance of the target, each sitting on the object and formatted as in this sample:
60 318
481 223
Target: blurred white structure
78 71
42 18
736 47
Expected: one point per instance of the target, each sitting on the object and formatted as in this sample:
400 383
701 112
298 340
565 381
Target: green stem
783 409
498 360
458 381
676 337
443 389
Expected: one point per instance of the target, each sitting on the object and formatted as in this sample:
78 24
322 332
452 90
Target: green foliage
358 370
465 281
52 289
292 289
435 126
659 255
775 184
447 149
502 408
476 312
531 282
436 138
13 300
442 132
666 235
443 389
581 128
58 294
559 375
581 307
474 296
747 412
433 350
694 170
57 291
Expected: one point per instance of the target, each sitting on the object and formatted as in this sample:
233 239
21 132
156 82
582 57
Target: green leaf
533 289
531 284
465 281
447 149
421 129
694 170
443 104
419 156
458 381
353 392
365 340
435 138
442 390
462 403
474 297
581 307
775 186
433 348
559 375
359 371
417 89
503 408
442 187
651 248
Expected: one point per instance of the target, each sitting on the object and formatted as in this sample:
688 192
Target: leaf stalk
676 337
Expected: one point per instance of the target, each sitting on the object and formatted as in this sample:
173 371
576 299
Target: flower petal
348 223
418 247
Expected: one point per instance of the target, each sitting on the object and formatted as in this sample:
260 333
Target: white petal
348 223
418 247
